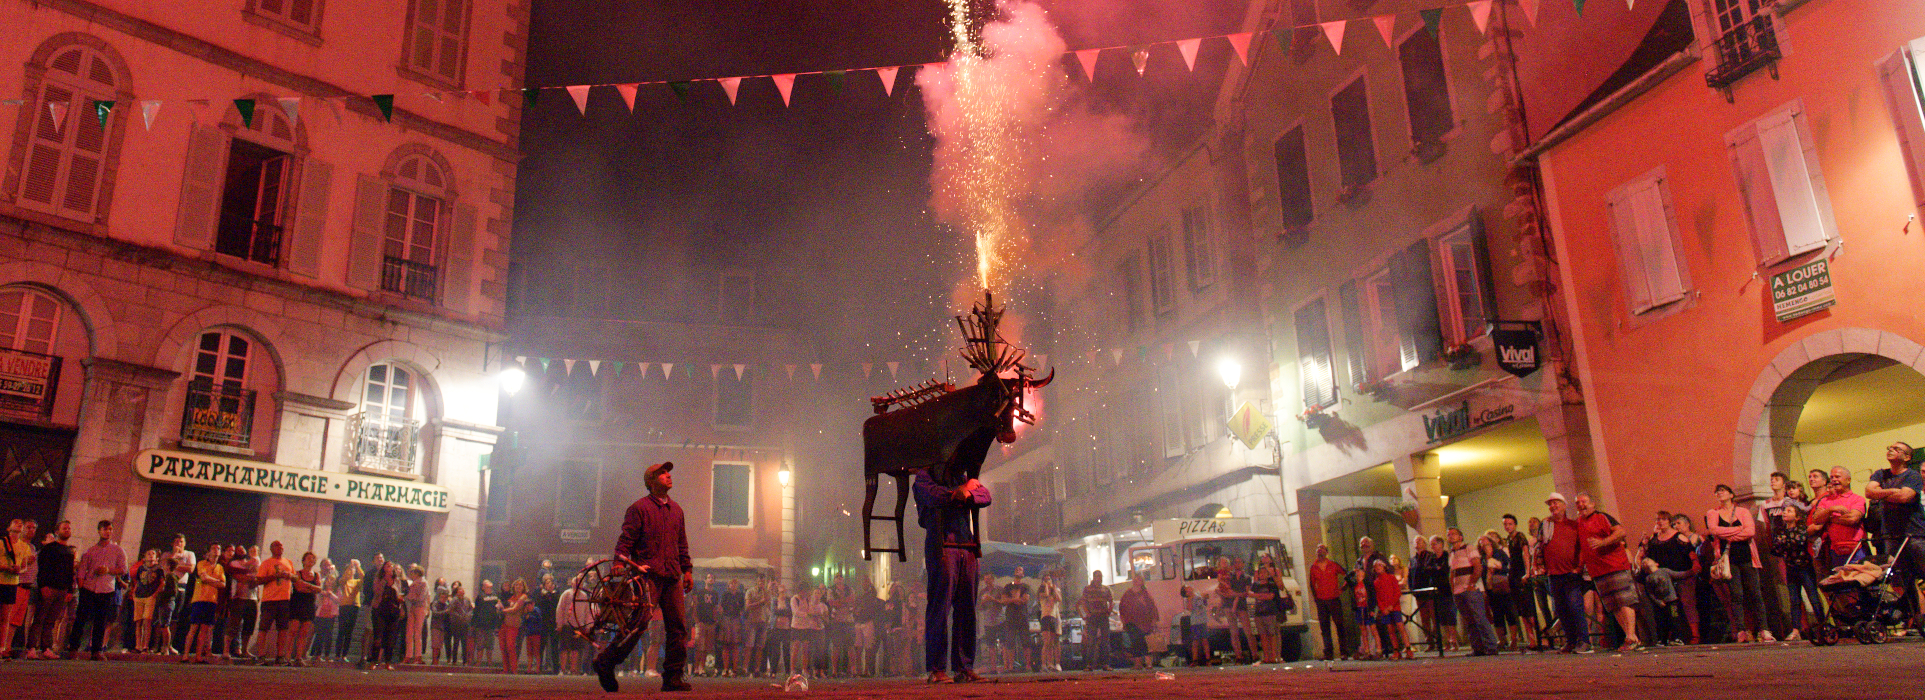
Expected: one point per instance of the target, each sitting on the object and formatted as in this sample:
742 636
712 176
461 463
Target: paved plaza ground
1754 672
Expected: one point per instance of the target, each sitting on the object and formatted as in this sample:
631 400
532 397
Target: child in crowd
1390 614
1366 615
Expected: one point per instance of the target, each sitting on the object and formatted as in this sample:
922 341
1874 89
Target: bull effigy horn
1040 383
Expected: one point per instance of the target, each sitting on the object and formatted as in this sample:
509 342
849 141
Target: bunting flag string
1087 58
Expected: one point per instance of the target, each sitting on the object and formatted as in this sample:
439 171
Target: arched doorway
1343 529
1826 408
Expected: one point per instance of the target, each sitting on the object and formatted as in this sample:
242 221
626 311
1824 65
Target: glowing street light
512 379
782 477
1230 371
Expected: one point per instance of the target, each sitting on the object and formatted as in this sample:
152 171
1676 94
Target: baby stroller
1863 601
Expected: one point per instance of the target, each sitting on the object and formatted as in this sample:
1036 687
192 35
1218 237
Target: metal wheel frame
618 593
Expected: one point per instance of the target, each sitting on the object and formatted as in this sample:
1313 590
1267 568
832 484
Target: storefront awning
1002 558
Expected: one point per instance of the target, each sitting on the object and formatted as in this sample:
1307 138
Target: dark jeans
1096 642
344 629
242 614
1336 638
324 636
96 609
1567 603
950 632
1804 582
668 598
384 635
1477 614
1743 599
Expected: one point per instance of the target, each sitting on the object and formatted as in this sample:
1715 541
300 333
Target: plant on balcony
1463 356
1377 389
1408 511
1427 150
1314 417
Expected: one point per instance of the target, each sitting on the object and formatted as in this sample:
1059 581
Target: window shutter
1625 220
1481 249
42 181
201 187
1793 178
1356 346
1313 355
310 219
1419 331
1901 95
364 242
1659 258
84 161
1754 182
455 292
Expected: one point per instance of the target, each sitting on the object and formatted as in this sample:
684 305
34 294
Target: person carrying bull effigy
655 540
950 553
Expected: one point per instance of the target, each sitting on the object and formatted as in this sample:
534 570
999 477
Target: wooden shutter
1419 331
1754 182
1481 251
1901 95
459 272
1794 175
310 219
1625 222
1647 256
364 242
201 187
1313 355
41 184
1356 345
85 160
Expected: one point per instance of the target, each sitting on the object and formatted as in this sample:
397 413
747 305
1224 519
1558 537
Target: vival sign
1802 290
274 479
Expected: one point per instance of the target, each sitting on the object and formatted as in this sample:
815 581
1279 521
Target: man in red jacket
655 537
1562 557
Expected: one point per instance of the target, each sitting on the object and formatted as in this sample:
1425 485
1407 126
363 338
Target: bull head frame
943 429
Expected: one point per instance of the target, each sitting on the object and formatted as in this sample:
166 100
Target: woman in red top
1390 612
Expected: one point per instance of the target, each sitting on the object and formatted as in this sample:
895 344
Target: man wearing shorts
276 580
1604 559
1015 623
1897 486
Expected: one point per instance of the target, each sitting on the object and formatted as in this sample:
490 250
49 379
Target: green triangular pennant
246 107
680 87
102 108
544 364
528 97
835 78
1434 17
1580 7
618 368
386 103
1283 39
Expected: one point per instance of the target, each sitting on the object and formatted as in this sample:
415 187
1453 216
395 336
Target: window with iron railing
407 278
218 414
382 442
1745 46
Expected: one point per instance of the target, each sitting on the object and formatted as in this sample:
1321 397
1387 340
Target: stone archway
1767 424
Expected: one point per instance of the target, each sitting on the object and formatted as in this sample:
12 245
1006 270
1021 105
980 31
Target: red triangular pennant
1530 10
580 93
888 76
1387 27
1241 44
627 91
1480 12
1087 57
1334 32
786 84
731 85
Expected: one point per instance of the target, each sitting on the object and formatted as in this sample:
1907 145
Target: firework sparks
987 174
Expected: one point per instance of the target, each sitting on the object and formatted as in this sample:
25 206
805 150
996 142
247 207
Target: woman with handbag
1734 571
1497 585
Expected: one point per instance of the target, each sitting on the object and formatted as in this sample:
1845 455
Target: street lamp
512 379
782 477
1230 371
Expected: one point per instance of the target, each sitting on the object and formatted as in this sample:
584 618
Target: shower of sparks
986 182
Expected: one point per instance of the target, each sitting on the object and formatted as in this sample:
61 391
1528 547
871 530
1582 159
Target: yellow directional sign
1249 425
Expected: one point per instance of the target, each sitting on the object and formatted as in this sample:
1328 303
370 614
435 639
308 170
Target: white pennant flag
892 370
791 369
568 366
715 371
580 93
738 371
866 367
521 359
1042 361
148 110
1116 355
786 84
817 369
1480 12
1188 47
594 366
292 106
668 370
643 366
1193 346
731 85
59 112
888 76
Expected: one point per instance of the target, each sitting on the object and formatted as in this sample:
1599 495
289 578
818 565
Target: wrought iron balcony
408 278
1751 45
382 442
218 414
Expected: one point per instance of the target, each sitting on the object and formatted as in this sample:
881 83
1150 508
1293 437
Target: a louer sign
261 477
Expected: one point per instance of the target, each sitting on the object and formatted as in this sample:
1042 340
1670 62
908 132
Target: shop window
737 298
1647 238
732 495
301 15
1776 163
220 407
1162 283
1356 150
1900 73
66 148
437 39
577 495
1426 90
1200 257
1130 285
1313 355
734 399
254 192
416 217
1293 180
29 369
1469 307
29 320
386 433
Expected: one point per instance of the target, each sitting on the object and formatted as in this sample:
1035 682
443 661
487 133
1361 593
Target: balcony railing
245 237
1751 45
218 415
382 442
407 278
